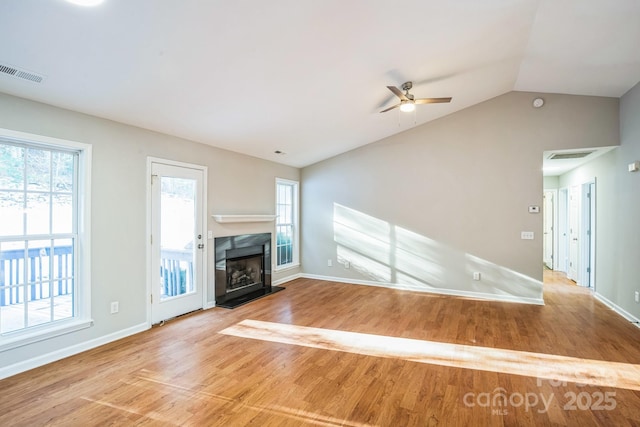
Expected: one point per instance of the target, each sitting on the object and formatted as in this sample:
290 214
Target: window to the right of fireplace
286 253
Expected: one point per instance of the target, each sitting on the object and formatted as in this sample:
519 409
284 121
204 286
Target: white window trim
296 226
82 318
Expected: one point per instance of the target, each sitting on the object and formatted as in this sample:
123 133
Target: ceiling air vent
565 156
20 74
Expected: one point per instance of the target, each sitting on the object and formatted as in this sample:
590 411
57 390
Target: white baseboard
450 292
615 307
44 359
287 279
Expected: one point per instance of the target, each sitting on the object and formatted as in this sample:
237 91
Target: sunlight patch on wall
363 264
514 362
404 259
503 280
369 235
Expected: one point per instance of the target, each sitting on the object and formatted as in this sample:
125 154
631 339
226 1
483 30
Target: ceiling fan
407 101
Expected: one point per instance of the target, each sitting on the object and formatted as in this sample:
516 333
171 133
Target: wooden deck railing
12 274
176 273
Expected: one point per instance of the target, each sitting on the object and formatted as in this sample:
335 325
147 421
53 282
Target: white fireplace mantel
243 218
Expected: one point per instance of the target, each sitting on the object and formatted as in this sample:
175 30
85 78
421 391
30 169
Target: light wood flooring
331 354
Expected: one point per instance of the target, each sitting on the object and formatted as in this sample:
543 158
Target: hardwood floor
330 354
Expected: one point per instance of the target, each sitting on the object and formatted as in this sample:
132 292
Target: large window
42 276
286 223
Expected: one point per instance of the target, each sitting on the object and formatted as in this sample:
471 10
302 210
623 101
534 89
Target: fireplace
243 269
244 272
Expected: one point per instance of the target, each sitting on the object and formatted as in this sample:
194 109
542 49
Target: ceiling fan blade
398 93
390 108
432 100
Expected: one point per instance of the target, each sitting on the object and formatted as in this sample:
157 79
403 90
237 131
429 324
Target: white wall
431 205
550 182
237 184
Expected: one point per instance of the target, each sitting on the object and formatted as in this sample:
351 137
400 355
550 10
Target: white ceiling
308 77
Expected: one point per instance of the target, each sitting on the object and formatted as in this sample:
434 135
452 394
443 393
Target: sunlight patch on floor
537 365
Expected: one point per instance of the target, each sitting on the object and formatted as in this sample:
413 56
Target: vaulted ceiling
308 77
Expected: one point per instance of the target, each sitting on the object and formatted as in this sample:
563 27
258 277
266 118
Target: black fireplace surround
243 269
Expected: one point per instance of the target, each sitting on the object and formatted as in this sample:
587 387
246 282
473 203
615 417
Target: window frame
82 251
295 223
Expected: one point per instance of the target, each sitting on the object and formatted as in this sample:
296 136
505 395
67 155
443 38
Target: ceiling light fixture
86 2
407 106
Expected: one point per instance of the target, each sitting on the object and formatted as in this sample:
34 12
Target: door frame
588 234
573 272
554 226
563 230
205 232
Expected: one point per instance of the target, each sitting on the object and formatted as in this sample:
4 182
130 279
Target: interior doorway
574 231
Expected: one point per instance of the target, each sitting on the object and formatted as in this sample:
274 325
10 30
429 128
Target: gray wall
617 210
237 184
620 291
448 198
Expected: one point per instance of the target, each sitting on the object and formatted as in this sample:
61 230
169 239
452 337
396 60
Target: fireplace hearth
243 269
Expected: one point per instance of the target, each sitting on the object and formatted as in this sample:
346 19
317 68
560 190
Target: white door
563 230
574 232
547 219
587 261
177 241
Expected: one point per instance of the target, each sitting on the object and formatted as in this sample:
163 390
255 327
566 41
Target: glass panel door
176 242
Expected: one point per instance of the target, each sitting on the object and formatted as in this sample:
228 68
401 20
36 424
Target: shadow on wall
394 256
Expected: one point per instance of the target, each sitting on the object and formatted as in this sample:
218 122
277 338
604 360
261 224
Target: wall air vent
20 74
565 156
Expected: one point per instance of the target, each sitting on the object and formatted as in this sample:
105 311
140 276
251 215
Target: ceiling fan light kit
407 106
408 102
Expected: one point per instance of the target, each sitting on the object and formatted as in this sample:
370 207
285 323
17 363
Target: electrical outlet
637 296
347 264
115 307
329 263
526 235
476 276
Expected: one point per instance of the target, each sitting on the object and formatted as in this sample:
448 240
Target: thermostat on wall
534 209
